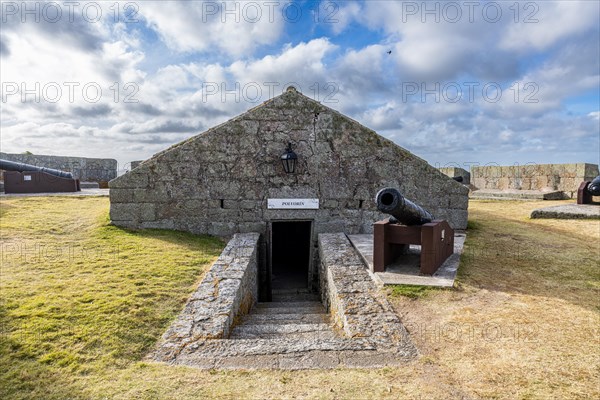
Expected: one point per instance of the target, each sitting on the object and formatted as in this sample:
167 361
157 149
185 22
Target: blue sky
126 80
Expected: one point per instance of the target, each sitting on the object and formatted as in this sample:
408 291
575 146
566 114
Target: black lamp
288 159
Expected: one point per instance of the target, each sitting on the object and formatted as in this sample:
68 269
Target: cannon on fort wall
391 239
22 167
27 178
587 189
390 201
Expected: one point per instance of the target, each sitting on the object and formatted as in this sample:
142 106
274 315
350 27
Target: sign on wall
293 204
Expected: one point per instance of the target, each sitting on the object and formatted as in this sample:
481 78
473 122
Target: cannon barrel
594 186
21 167
390 201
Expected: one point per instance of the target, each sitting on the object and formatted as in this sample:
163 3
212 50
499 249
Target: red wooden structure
391 240
37 182
583 196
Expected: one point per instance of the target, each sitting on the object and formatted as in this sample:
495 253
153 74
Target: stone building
230 179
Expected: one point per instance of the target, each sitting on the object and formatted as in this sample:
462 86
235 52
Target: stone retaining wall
350 295
229 290
564 177
84 169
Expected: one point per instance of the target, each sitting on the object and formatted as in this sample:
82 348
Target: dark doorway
290 254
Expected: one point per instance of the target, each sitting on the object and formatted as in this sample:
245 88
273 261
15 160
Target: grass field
82 302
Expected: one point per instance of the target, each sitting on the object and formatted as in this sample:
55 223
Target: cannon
22 167
390 201
392 240
594 187
27 178
587 190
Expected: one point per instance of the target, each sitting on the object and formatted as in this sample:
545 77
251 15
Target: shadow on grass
212 245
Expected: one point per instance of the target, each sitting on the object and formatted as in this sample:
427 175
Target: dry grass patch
76 324
524 321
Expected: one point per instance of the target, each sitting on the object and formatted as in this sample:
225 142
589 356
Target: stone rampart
99 170
563 177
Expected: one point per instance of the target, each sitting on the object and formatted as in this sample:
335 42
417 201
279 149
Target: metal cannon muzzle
594 186
390 201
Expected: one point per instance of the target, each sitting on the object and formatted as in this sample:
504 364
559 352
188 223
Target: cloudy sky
456 83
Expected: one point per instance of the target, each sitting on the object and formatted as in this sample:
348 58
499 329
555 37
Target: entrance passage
290 254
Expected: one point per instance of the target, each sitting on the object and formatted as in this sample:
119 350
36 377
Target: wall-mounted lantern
289 159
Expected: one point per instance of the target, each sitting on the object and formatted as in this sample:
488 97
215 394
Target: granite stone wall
228 291
354 302
218 182
563 177
84 169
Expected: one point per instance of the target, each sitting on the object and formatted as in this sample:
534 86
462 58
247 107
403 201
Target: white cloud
173 102
235 28
345 15
302 63
556 20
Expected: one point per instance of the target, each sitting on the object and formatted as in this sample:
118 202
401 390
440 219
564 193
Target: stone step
289 304
295 297
265 331
306 337
290 291
280 318
302 307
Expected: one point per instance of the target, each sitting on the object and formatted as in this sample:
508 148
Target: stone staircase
293 314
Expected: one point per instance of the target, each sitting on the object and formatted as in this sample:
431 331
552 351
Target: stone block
250 216
147 212
330 204
162 224
121 195
222 228
458 202
124 212
246 227
330 226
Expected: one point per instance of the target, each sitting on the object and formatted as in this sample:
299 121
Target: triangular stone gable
218 182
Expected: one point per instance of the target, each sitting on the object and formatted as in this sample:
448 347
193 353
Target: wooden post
583 197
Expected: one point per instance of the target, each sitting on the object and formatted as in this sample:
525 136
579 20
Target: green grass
411 291
80 295
83 302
